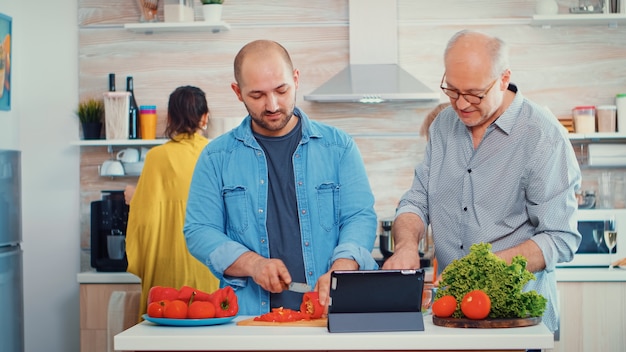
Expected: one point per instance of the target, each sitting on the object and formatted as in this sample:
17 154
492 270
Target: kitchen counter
562 275
98 277
231 337
590 274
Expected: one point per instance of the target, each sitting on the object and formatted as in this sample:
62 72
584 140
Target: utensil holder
116 105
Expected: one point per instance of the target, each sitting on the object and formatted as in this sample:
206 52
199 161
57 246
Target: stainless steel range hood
373 75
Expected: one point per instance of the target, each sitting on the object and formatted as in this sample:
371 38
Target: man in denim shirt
280 198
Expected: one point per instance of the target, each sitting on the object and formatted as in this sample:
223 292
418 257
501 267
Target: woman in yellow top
155 244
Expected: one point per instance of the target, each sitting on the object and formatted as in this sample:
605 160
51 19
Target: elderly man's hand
403 259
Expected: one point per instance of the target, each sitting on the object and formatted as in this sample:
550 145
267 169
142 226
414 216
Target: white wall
42 124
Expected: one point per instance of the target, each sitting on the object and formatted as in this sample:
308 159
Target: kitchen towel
121 314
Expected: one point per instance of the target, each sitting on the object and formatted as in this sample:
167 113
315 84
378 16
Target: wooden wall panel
559 67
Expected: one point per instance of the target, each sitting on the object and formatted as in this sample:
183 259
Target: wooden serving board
485 323
322 322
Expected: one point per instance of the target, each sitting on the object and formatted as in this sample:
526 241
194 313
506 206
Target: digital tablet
376 291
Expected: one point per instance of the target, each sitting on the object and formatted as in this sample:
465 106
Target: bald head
476 49
259 48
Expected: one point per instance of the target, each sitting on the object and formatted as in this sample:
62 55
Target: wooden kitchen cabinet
94 303
593 316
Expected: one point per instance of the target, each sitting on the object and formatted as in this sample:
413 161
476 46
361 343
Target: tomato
444 306
201 310
175 309
311 306
155 309
476 305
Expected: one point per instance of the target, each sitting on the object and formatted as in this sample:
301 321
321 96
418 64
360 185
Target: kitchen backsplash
559 67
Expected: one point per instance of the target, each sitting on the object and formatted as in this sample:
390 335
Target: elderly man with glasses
497 169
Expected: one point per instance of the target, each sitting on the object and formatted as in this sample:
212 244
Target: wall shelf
605 136
610 19
196 26
117 142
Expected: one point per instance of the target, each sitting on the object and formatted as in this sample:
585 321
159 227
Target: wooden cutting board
485 323
322 322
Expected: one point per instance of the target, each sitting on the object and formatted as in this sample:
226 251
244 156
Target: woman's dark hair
185 108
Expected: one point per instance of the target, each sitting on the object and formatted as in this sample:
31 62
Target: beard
274 125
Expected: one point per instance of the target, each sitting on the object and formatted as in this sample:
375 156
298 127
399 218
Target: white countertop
562 274
99 277
590 274
231 337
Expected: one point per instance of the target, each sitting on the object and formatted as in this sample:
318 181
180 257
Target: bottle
111 82
620 102
133 111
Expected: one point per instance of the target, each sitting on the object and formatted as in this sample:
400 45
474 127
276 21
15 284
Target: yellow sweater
155 244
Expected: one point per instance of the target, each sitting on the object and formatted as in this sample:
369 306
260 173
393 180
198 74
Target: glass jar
606 118
584 119
178 11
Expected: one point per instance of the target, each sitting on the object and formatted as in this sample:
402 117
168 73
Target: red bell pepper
185 294
162 293
311 306
225 302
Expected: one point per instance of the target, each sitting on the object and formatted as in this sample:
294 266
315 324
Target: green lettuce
483 270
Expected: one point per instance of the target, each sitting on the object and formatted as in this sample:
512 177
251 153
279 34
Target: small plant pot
91 130
212 12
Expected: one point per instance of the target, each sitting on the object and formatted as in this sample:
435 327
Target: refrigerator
11 271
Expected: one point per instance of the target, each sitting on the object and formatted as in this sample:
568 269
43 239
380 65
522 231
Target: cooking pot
386 243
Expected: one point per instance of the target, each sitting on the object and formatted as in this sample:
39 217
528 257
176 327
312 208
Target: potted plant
212 10
91 113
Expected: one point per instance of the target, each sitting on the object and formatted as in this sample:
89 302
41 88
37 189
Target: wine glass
427 298
610 237
597 238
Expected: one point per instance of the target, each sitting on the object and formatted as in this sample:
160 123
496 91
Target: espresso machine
109 217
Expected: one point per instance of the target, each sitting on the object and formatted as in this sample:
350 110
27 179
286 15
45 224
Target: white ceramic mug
128 155
144 152
112 168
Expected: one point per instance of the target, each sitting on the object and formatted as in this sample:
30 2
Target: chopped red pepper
225 302
281 315
311 306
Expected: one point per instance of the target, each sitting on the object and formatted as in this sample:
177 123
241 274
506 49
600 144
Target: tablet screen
373 291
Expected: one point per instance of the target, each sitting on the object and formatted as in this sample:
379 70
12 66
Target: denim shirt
228 199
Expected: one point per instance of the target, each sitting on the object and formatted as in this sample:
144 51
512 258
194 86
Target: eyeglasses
470 98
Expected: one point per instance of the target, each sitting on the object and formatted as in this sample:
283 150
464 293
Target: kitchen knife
299 287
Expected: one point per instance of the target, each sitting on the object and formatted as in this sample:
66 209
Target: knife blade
299 287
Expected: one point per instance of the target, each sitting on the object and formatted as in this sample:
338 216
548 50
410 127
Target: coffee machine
109 217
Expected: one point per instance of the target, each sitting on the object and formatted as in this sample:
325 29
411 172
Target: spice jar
584 119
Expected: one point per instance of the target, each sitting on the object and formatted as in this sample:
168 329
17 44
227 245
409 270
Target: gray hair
497 49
